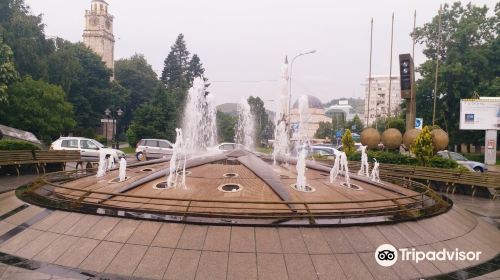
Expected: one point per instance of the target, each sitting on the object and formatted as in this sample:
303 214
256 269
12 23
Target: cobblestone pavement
79 246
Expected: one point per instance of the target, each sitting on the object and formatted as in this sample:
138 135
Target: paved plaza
64 245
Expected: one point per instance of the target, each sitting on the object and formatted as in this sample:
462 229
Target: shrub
9 145
101 139
386 157
348 143
439 162
423 148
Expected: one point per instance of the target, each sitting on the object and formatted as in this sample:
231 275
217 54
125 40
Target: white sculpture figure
174 163
365 168
344 168
102 168
336 165
123 169
375 172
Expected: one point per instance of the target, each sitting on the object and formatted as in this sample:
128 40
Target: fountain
281 147
301 169
344 168
245 129
199 122
364 170
175 162
102 167
375 171
123 169
334 172
111 162
237 186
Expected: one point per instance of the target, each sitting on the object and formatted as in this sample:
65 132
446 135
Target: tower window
101 7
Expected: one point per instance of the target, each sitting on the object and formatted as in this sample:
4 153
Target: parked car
226 146
323 150
357 147
460 159
89 148
153 148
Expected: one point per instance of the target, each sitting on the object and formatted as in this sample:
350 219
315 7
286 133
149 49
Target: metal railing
51 191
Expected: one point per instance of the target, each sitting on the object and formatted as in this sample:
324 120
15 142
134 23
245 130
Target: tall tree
263 125
137 76
38 107
226 127
175 71
24 33
8 72
469 64
85 78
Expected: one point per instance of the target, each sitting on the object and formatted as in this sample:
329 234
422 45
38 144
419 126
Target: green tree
38 107
154 119
325 130
348 143
175 71
226 127
263 126
356 124
25 35
85 79
423 148
8 72
137 76
469 63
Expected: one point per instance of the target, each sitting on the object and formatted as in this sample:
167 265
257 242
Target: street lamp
114 118
290 80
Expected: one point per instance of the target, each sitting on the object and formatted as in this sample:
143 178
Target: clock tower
98 33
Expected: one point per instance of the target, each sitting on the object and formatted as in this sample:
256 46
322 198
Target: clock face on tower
108 24
93 21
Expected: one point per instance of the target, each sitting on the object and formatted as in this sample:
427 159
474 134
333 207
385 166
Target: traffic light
406 74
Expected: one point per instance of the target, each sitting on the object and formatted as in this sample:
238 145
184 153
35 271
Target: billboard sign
480 114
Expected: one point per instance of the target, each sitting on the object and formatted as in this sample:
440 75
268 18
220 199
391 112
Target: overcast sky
242 44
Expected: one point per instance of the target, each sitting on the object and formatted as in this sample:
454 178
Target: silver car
153 148
460 159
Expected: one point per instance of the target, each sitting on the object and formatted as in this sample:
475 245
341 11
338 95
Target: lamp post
290 82
114 119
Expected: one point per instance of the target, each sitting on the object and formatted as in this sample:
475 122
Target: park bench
43 157
16 159
450 177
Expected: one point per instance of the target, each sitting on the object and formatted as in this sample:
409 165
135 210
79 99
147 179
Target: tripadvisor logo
387 255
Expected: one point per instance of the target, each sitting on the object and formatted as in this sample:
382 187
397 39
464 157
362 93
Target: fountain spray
336 166
123 169
375 171
344 168
245 129
365 168
102 167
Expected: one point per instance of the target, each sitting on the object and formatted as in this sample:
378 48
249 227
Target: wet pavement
63 245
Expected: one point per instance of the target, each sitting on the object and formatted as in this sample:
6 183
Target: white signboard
419 123
480 114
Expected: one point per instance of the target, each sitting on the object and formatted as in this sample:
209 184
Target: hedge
10 145
397 158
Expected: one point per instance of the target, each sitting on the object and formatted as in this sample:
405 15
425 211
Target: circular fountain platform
239 187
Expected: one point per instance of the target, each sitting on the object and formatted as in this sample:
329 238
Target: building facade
98 33
313 115
377 103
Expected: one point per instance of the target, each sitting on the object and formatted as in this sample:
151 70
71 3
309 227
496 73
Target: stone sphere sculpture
370 137
392 138
410 136
440 139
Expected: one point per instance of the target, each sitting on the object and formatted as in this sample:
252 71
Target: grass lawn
265 150
128 150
